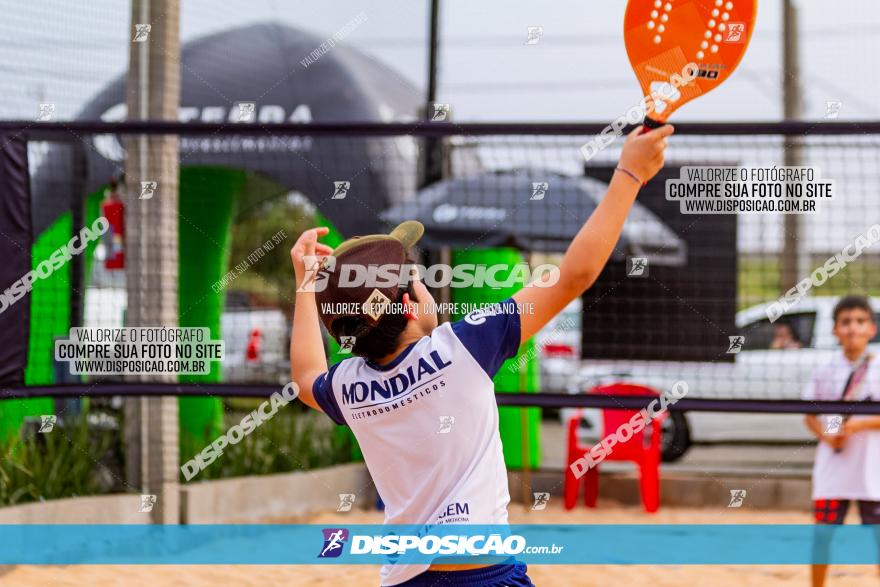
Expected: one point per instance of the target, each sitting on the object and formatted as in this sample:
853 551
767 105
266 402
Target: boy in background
847 465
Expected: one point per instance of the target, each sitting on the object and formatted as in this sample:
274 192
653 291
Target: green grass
295 439
53 465
759 280
76 459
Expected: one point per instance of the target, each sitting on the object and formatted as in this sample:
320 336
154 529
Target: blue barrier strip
654 544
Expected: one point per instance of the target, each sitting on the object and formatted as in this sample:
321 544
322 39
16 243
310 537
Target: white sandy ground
542 575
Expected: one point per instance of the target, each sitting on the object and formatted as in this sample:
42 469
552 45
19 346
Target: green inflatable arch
209 201
210 198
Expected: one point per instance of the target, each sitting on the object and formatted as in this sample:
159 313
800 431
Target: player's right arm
307 361
587 254
814 422
814 425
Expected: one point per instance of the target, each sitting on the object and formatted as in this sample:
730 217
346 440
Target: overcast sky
577 72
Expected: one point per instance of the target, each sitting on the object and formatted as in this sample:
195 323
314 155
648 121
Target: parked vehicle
256 339
256 346
757 372
559 349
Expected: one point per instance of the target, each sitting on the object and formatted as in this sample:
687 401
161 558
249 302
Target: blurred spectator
784 337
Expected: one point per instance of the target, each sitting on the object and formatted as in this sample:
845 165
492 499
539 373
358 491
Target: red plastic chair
642 448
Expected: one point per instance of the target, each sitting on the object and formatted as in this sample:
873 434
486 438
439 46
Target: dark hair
853 303
374 342
786 323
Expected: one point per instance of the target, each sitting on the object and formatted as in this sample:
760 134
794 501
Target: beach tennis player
408 375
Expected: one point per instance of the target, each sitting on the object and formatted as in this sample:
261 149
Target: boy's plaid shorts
833 511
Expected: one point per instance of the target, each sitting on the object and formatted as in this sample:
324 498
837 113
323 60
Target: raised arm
642 156
307 360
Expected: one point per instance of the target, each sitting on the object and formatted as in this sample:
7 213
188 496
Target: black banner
16 238
675 313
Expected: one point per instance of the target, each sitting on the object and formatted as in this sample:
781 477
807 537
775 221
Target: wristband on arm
630 173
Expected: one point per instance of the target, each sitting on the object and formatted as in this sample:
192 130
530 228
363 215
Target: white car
256 339
757 372
559 347
256 346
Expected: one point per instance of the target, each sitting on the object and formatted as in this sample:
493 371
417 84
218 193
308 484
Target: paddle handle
650 124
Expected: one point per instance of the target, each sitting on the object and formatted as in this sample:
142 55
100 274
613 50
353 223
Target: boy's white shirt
853 473
435 458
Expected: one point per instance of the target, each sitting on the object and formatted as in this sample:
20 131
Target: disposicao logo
334 542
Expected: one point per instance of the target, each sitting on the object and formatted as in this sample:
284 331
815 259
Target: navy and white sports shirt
427 423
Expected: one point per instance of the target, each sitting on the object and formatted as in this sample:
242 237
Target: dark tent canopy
530 209
262 64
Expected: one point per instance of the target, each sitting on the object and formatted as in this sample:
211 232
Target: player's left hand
836 441
643 153
307 245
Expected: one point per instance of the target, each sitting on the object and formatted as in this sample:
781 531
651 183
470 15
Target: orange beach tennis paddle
665 38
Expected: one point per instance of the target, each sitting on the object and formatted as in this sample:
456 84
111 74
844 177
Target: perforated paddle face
663 36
